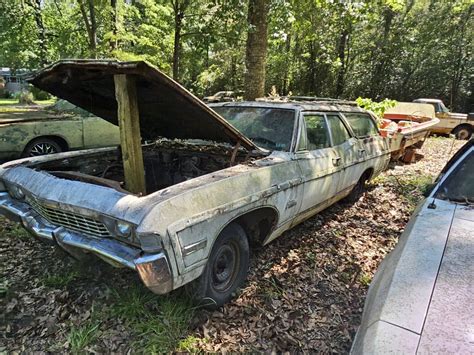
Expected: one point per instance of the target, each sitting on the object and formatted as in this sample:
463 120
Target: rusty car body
213 185
57 128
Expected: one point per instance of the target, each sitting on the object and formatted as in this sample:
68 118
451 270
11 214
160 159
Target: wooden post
130 138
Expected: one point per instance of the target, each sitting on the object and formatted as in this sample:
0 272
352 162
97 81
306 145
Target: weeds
365 279
132 304
159 322
81 336
60 280
164 331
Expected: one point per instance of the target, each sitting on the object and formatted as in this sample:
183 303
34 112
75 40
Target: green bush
7 94
24 97
39 94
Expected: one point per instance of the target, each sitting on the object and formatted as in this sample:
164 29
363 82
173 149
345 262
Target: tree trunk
43 46
256 50
91 25
113 41
179 8
378 75
342 58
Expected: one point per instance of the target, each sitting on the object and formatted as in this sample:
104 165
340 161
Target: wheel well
368 173
258 224
61 141
462 125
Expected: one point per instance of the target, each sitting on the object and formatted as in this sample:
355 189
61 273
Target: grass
411 187
189 344
9 102
165 331
132 304
80 337
159 322
365 279
60 280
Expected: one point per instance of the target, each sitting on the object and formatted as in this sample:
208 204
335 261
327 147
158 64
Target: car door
320 165
370 144
348 149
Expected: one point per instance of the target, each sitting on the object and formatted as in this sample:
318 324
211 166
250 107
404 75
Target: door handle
361 152
336 161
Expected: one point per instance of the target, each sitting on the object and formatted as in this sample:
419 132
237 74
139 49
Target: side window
338 130
362 124
317 132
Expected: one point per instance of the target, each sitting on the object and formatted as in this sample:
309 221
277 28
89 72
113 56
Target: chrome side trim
189 249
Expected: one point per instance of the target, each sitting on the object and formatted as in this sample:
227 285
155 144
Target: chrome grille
69 220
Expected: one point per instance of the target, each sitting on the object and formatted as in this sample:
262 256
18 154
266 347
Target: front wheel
226 268
463 132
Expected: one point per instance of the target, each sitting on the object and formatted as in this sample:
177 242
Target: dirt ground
305 291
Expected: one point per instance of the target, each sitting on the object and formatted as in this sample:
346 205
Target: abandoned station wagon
213 185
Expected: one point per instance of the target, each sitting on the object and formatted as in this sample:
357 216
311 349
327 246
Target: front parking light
124 229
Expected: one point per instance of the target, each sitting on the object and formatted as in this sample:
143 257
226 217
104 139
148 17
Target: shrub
39 94
24 97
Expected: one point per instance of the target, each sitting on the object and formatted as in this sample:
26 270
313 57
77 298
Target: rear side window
338 130
362 124
317 132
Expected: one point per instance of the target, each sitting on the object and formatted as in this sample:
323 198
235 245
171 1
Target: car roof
330 105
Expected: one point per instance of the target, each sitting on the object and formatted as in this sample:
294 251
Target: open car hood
166 108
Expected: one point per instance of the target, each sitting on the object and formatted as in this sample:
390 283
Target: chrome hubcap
42 149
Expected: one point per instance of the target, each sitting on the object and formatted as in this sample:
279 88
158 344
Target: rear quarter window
362 124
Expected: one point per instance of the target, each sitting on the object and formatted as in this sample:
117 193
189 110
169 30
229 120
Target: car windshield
269 128
443 108
459 185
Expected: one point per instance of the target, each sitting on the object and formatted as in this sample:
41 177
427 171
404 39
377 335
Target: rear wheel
41 146
358 189
463 132
226 268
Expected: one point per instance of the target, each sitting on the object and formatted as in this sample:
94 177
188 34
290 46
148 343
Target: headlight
16 192
124 229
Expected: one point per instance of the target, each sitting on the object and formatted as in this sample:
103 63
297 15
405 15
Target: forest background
397 49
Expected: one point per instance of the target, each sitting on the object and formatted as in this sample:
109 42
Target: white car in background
421 298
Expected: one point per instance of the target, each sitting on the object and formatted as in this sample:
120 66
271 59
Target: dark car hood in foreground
166 108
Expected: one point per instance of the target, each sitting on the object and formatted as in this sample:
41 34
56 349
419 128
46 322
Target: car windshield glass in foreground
459 185
268 128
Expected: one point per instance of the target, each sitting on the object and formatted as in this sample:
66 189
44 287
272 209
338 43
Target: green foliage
378 108
24 97
151 317
60 280
39 94
81 336
375 49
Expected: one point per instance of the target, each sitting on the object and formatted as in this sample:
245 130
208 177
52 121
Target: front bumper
153 269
